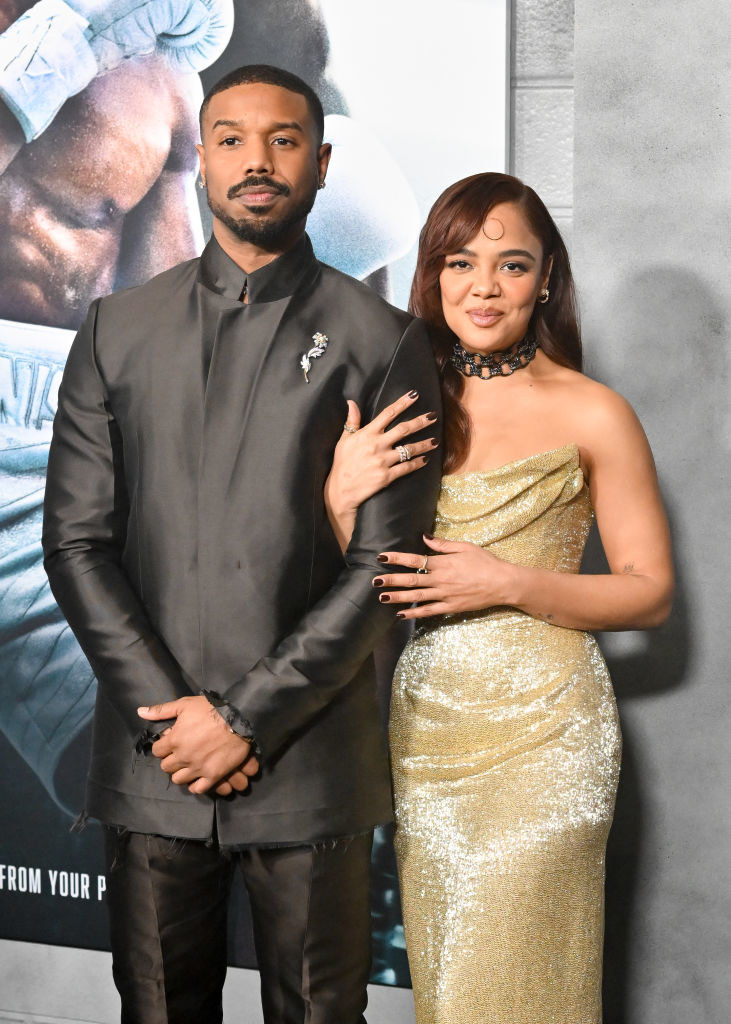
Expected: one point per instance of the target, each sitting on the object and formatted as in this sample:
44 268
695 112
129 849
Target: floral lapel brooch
315 352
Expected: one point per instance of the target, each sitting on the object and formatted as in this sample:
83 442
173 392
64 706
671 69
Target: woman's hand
367 459
635 594
460 577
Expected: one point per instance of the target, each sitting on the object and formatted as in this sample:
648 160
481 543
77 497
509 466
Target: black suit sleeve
84 534
308 668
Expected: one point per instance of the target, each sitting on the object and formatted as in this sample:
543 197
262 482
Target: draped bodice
535 511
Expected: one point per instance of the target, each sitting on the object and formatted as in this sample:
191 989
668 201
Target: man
187 543
101 198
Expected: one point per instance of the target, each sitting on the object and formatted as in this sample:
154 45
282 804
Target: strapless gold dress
505 749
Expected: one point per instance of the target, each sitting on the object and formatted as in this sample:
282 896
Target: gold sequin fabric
505 750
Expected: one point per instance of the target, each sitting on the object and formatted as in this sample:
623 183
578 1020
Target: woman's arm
634 532
636 594
366 460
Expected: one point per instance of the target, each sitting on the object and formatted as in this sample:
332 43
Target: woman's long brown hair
456 217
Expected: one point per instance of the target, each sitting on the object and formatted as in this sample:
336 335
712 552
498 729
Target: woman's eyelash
510 265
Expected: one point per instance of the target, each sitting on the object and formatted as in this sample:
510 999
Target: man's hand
200 750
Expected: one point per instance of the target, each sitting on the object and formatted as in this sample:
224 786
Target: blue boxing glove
367 216
44 58
55 49
190 34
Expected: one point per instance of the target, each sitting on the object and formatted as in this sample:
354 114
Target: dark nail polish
377 583
424 459
434 442
384 598
400 615
431 416
429 536
382 558
413 394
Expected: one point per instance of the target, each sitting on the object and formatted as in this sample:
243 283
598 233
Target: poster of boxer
98 123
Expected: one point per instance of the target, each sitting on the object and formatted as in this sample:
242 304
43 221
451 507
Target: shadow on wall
657 341
641 665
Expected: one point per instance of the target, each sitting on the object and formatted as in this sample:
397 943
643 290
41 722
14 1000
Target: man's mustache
252 182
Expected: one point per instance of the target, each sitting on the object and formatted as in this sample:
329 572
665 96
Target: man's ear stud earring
322 184
201 183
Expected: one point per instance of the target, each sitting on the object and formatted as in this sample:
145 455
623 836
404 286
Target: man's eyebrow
280 126
293 126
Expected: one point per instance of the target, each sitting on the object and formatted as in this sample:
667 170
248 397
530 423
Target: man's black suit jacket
187 543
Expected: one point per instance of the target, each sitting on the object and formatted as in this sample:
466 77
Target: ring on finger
423 568
403 453
349 430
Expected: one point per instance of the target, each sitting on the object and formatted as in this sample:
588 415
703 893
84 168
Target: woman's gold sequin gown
505 747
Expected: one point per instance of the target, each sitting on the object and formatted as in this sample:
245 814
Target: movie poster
98 192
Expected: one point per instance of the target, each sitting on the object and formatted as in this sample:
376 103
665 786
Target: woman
504 736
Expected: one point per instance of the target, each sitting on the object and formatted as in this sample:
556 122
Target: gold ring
423 566
350 430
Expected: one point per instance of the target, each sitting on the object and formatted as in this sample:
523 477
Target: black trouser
310 907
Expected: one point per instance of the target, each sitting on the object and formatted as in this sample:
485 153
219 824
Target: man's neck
247 255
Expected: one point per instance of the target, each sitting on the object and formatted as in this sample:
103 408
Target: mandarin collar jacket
187 543
218 273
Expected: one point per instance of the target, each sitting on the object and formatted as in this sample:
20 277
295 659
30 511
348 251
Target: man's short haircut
267 74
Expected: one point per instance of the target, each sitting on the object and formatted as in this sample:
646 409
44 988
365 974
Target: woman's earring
543 296
201 183
322 184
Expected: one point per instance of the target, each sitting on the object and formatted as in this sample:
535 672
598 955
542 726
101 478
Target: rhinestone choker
497 364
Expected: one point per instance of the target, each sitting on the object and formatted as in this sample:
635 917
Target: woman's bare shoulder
599 419
595 403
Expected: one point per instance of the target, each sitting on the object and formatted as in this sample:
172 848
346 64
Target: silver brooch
315 352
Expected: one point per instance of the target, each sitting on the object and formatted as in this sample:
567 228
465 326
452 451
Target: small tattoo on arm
629 567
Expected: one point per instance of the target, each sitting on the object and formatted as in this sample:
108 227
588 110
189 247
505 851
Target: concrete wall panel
543 141
543 39
651 251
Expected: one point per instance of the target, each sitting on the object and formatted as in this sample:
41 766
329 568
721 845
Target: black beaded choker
497 364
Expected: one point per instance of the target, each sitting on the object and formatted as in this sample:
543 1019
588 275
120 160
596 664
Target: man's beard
266 234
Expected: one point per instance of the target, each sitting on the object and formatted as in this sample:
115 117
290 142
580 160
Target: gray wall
622 126
651 253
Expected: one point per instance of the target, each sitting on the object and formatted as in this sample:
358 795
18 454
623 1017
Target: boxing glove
190 34
56 48
367 216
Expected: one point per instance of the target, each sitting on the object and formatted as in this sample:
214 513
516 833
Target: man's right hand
200 750
238 780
